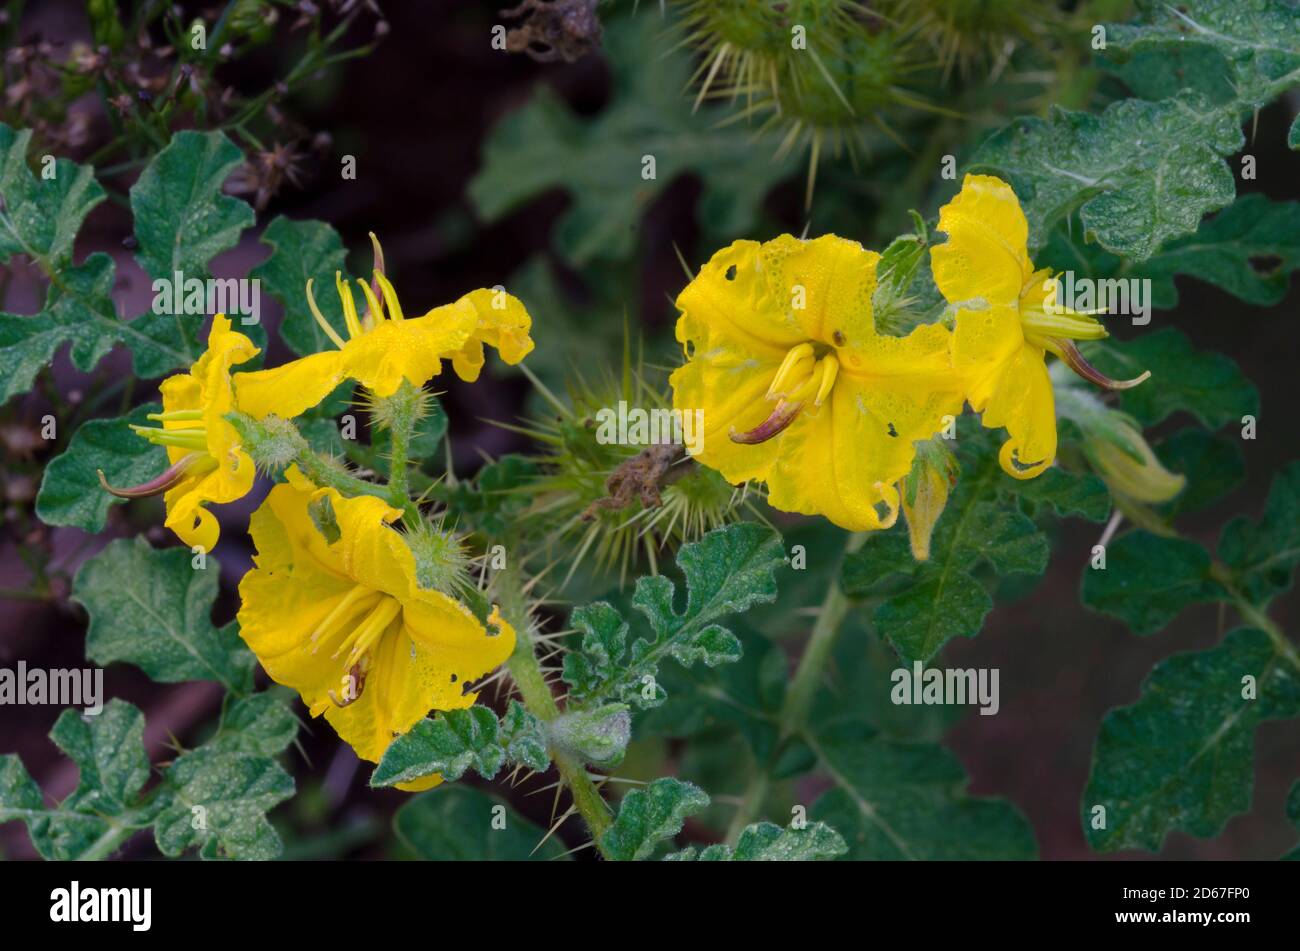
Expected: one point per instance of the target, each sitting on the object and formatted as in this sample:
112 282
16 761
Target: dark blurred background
415 114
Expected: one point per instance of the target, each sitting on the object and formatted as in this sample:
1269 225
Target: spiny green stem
536 693
323 474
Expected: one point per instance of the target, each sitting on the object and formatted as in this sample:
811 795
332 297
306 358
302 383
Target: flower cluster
334 606
802 391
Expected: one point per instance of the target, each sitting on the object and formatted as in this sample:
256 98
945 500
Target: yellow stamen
180 438
830 370
796 356
390 296
178 416
370 630
320 318
374 309
334 620
350 319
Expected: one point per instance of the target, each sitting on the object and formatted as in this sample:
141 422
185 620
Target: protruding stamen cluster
196 462
1056 328
802 376
353 628
376 310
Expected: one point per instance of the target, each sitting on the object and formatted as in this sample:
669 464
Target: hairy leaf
649 815
727 571
768 842
1263 555
70 491
1149 580
1182 756
151 608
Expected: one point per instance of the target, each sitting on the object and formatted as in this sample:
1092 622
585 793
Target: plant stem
108 843
803 689
1253 616
538 699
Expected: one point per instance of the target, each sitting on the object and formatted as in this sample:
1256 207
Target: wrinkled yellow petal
730 313
307 596
986 254
842 458
207 387
843 463
1019 399
501 321
291 389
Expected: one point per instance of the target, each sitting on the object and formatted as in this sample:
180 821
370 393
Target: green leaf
151 608
1249 250
449 743
744 697
1182 756
942 599
70 491
21 799
259 723
944 602
1259 41
1208 385
216 800
768 842
648 816
1149 580
1069 493
182 219
1140 173
906 801
1263 555
109 752
524 738
727 571
599 162
1293 136
303 251
456 823
41 216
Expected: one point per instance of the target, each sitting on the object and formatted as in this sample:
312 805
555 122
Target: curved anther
1074 359
157 485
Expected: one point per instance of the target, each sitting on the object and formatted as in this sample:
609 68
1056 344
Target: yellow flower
796 386
383 347
333 609
207 464
1007 319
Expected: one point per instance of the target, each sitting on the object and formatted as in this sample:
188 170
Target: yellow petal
843 462
292 389
730 312
1019 399
501 321
412 350
986 254
207 387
